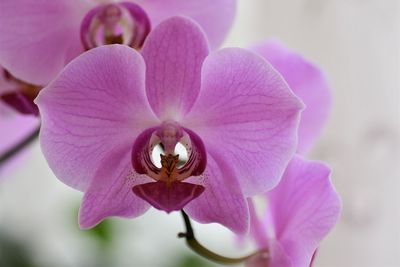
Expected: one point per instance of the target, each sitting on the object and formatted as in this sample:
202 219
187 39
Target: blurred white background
357 43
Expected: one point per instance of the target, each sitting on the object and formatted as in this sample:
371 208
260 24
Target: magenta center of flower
169 192
120 23
172 167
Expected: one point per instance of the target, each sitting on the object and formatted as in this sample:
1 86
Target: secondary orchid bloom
300 212
38 38
108 110
290 231
13 126
308 82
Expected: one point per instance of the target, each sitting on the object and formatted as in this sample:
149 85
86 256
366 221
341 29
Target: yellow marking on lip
169 170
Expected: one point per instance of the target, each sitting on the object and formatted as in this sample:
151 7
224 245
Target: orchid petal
246 112
96 104
37 38
214 16
304 207
308 82
174 53
110 191
222 200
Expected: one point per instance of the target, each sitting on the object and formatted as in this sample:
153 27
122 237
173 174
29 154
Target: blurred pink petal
38 38
247 112
214 16
301 211
274 256
21 102
308 82
13 127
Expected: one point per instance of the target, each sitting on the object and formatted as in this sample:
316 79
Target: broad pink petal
214 16
110 191
174 52
222 200
304 207
96 104
308 82
247 113
37 38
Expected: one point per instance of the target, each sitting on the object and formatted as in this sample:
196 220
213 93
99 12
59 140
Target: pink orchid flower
38 38
301 211
304 206
13 126
103 116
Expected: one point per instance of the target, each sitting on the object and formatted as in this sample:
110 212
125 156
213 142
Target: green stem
204 252
20 146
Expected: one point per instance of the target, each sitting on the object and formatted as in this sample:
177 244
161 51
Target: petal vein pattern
86 114
110 191
222 200
174 54
246 112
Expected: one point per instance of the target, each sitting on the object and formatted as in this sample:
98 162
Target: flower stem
19 146
201 250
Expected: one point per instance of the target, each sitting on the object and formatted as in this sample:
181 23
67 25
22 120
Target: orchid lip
118 23
168 197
